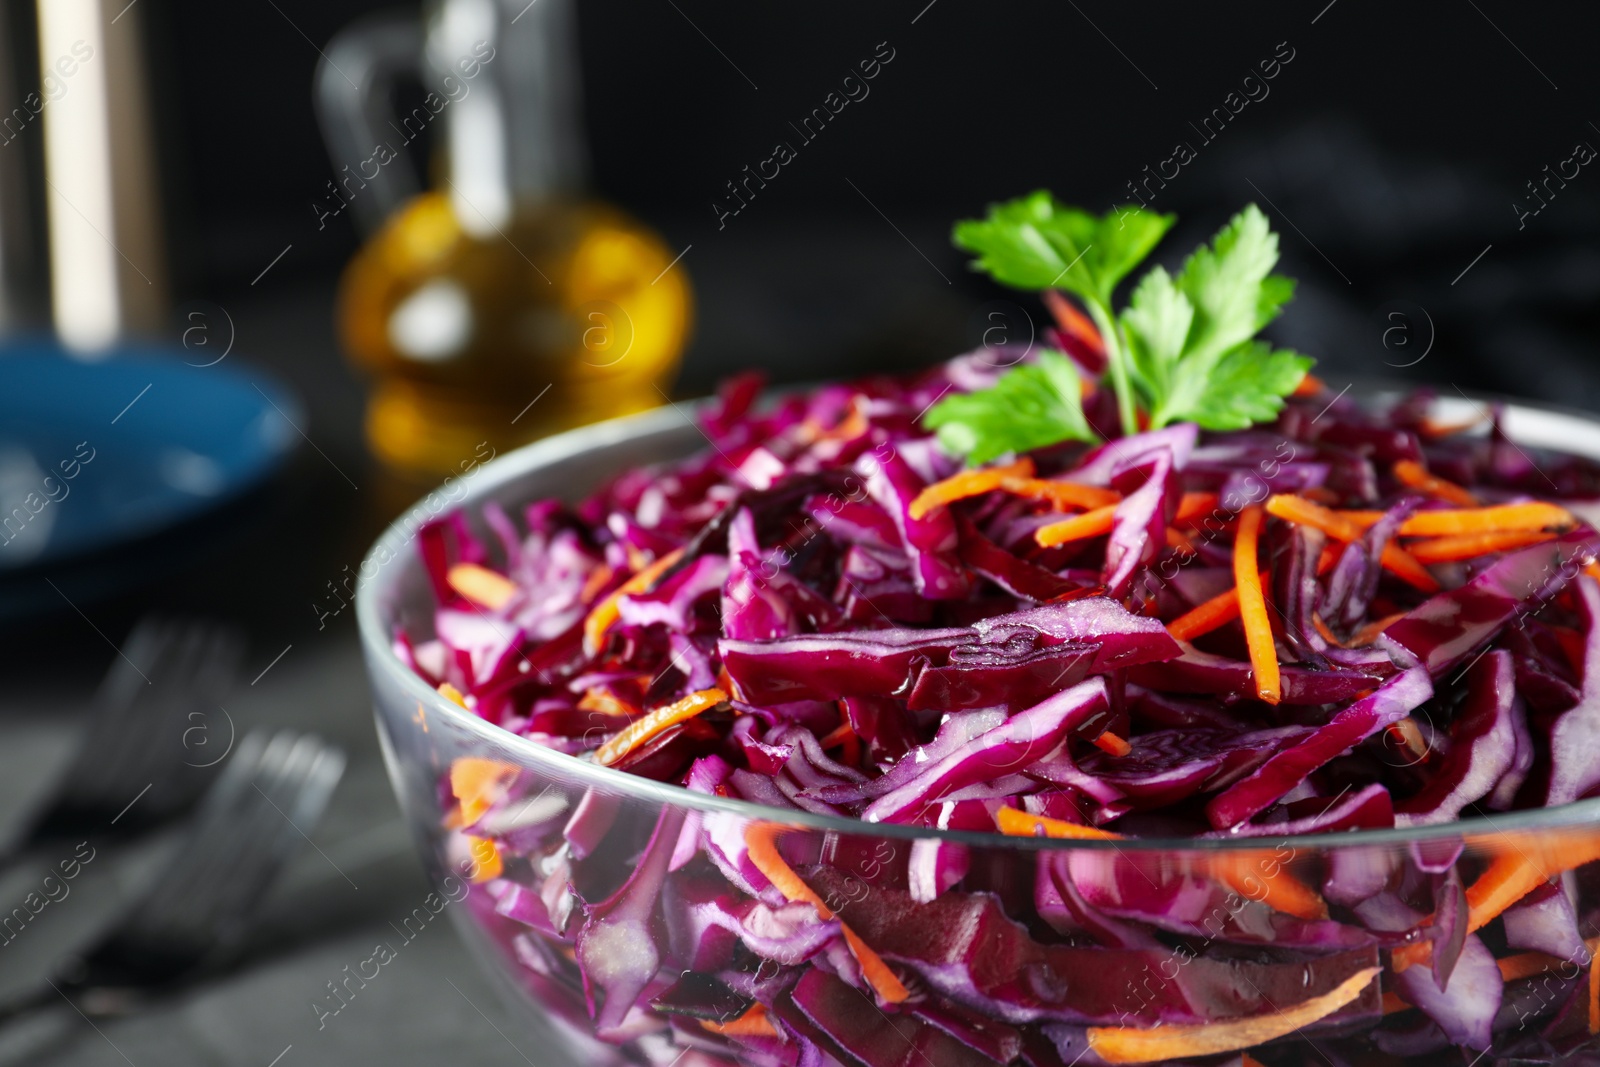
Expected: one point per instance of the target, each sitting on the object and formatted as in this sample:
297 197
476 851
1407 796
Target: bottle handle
353 90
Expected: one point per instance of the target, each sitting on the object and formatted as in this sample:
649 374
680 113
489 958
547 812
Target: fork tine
128 747
241 843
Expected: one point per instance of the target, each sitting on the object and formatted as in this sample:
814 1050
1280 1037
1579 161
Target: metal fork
145 750
190 921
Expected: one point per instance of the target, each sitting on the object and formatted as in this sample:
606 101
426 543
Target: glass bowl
1039 952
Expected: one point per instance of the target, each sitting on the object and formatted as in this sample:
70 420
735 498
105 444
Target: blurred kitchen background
388 230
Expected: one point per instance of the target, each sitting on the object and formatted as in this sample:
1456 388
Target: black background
1389 155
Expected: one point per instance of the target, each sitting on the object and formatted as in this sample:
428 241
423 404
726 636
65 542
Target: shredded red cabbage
883 658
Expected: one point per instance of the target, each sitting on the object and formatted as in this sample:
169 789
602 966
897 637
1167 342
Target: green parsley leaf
1031 406
1190 353
1247 385
1036 242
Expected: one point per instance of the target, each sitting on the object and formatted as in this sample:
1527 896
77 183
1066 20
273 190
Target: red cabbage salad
1153 580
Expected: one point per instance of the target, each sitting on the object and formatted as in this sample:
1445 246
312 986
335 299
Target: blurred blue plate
93 454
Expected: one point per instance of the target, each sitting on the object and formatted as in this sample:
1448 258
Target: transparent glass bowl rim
1574 427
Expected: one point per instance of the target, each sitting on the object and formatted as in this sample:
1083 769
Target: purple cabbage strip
1453 625
1575 736
1290 764
1014 745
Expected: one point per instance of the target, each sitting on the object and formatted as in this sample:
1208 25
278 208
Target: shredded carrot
598 579
1470 546
1393 1002
1310 385
1246 873
1177 540
1059 494
452 694
761 839
1414 475
606 702
1089 524
486 857
1592 569
964 484
844 735
604 614
1110 743
753 1023
1247 1060
1192 506
1208 615
1330 557
1178 1041
853 425
1524 965
1073 323
1253 606
1022 824
1338 524
1409 734
482 586
1322 629
477 783
1533 515
1369 633
1517 870
643 729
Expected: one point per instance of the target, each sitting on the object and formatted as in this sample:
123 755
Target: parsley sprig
1184 349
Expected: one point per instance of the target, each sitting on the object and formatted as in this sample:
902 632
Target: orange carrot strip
1592 569
1470 546
481 585
1322 629
1060 494
1525 965
1022 824
1089 524
968 483
604 614
1179 1041
643 729
1177 540
452 694
1073 322
753 1023
1533 515
1329 557
1393 1002
487 863
1514 873
838 736
1369 633
606 702
1253 605
1110 743
1337 524
598 579
1310 385
1247 1060
1409 734
762 841
1192 506
1208 615
477 783
1246 873
1414 475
